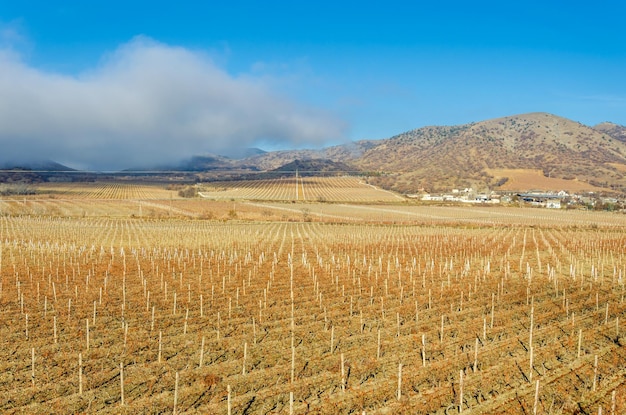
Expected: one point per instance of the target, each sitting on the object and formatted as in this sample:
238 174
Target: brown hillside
444 157
616 131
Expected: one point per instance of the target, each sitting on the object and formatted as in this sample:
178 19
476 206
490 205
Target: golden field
524 179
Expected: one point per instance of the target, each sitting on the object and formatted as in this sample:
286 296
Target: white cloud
146 103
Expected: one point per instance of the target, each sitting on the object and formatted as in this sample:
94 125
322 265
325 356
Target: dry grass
534 179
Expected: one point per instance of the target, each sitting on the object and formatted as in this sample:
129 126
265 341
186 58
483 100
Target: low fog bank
146 104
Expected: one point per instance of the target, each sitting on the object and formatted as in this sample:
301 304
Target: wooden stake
253 330
423 350
492 307
122 382
475 356
201 353
152 320
175 394
484 328
378 346
160 345
536 404
580 341
530 371
186 318
229 400
32 365
441 331
80 373
361 325
532 318
399 381
54 319
343 375
398 324
245 355
291 403
293 363
461 391
595 372
87 332
125 334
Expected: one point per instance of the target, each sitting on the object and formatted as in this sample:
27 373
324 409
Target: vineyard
106 190
330 189
440 310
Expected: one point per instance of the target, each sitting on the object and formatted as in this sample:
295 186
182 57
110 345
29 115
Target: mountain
616 131
437 158
315 167
36 171
340 153
238 154
35 165
211 162
204 163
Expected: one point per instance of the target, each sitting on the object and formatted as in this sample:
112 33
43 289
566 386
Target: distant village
548 200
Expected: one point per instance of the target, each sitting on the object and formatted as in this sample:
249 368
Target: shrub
16 189
188 192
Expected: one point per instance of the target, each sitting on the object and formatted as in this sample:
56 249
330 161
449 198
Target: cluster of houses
467 195
550 200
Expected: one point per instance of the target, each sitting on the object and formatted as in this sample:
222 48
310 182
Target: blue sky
318 72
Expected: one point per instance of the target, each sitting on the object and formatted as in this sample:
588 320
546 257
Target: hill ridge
461 156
